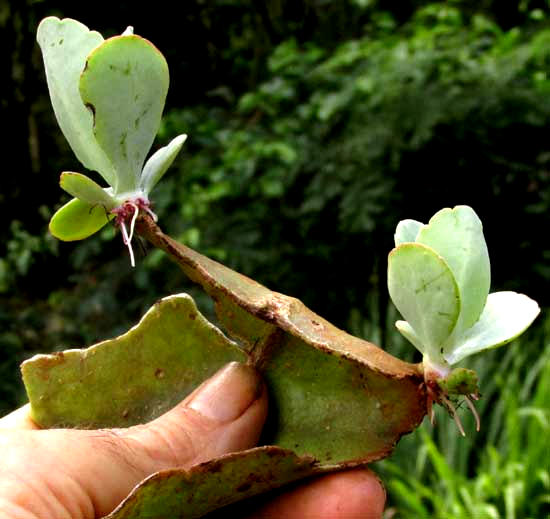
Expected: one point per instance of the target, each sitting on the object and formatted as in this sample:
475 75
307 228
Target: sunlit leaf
77 220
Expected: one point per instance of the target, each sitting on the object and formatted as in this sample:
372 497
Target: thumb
87 473
224 414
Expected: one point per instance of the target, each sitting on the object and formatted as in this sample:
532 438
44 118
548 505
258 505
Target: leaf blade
85 189
132 378
65 45
457 236
159 162
77 220
407 231
125 85
505 316
423 289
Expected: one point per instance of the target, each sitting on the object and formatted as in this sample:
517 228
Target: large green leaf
335 400
65 46
133 378
320 378
124 85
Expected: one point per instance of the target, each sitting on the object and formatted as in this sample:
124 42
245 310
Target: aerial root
128 242
454 414
431 412
473 409
150 213
133 222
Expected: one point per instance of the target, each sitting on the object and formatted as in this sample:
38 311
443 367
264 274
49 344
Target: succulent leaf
65 45
457 236
85 189
407 231
505 316
407 331
159 162
124 84
77 220
424 290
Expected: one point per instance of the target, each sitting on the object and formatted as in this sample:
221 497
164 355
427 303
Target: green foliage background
314 127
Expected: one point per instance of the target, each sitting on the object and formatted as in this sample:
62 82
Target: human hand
84 474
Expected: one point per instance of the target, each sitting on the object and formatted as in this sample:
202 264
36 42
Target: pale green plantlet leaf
124 84
407 231
505 316
77 220
406 330
425 292
65 46
159 163
85 189
457 236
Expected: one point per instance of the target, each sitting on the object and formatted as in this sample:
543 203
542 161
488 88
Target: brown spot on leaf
91 107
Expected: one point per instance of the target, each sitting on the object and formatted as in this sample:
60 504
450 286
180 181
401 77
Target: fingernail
228 394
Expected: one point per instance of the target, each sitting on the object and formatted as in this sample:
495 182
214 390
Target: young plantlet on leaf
438 278
108 97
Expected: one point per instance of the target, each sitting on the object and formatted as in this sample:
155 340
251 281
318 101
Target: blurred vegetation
314 127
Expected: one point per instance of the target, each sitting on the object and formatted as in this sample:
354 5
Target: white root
473 409
454 414
127 241
133 222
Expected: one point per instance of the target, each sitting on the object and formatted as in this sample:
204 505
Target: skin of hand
84 474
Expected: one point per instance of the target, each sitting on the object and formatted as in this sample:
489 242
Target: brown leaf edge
177 493
283 312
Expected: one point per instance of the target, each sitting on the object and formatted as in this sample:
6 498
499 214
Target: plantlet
108 97
438 278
